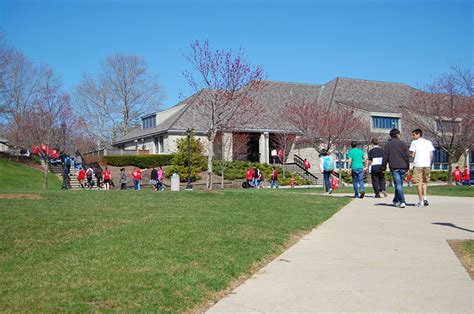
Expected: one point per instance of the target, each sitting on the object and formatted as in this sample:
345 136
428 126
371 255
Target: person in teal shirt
357 168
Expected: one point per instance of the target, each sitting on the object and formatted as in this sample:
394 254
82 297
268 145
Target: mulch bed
463 256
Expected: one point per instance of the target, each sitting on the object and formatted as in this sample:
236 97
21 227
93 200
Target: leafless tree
226 146
229 83
113 103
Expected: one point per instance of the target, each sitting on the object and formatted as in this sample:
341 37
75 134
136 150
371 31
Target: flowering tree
228 83
325 126
284 141
444 110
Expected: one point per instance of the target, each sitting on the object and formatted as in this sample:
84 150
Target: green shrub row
141 161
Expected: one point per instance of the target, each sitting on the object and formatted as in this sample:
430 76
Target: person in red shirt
457 173
107 178
249 176
466 175
274 181
81 176
280 154
136 176
35 150
307 165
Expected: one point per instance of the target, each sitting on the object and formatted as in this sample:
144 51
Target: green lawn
78 251
469 248
16 177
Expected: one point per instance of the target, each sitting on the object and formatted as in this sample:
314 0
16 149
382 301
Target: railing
301 170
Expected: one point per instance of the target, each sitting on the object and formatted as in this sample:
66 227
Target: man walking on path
396 155
357 167
377 171
422 152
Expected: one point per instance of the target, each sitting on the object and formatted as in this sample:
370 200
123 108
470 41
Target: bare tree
445 113
229 83
114 102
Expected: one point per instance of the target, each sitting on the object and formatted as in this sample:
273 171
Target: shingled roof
370 96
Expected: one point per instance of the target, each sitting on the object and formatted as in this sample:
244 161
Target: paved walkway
369 257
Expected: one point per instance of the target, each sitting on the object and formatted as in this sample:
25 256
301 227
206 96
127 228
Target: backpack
328 163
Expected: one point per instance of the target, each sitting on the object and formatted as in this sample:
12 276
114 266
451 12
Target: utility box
175 182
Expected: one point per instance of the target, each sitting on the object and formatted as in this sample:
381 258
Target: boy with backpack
327 167
89 175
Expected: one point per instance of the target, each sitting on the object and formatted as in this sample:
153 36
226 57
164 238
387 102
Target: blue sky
295 41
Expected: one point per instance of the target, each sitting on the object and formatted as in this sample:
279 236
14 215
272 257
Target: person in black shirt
377 170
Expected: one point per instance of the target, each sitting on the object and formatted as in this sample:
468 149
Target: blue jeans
136 184
398 176
358 180
327 184
274 183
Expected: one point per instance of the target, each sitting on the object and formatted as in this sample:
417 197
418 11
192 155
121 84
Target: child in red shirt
136 176
107 177
466 176
457 176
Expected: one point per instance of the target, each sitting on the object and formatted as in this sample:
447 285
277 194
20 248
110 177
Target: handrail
299 162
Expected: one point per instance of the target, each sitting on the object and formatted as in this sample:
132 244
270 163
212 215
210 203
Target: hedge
141 161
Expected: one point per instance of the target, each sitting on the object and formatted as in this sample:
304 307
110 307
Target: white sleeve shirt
422 149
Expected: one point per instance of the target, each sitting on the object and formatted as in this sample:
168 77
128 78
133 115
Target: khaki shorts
421 175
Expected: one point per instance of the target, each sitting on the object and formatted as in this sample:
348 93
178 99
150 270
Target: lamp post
189 186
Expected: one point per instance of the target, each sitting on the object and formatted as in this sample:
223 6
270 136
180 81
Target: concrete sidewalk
369 257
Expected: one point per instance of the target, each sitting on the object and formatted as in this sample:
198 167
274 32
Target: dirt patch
21 196
458 247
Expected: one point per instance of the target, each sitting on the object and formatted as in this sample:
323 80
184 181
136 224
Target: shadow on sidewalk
448 224
391 205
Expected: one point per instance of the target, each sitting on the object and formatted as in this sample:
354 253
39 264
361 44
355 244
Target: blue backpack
328 163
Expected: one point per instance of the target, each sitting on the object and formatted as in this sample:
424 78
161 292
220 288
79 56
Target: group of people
462 177
396 155
254 178
103 179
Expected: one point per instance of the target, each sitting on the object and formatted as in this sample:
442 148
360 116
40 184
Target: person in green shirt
357 168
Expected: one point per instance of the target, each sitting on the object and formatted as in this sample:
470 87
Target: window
471 160
385 122
448 126
149 122
440 161
159 145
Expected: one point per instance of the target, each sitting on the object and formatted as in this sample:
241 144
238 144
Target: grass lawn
16 177
469 249
80 251
442 190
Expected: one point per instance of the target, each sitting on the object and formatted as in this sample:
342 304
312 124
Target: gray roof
371 96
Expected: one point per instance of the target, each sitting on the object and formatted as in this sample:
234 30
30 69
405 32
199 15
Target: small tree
229 84
180 159
445 113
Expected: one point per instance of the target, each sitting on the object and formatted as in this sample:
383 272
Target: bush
141 161
439 176
180 159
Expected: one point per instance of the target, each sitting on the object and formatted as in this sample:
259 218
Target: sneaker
420 204
396 204
384 194
377 196
402 205
425 202
330 191
362 194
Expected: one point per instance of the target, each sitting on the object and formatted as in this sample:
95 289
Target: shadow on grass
448 224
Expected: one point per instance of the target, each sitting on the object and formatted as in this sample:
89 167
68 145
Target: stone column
264 147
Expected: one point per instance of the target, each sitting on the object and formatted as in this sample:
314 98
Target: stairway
298 168
58 170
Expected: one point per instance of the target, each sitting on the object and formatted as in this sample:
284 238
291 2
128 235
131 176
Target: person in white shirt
422 152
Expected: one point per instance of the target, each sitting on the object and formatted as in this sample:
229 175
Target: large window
149 122
471 160
385 122
446 126
440 161
159 145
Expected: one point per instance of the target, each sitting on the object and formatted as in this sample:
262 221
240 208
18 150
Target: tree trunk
450 169
45 172
210 157
222 177
283 168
